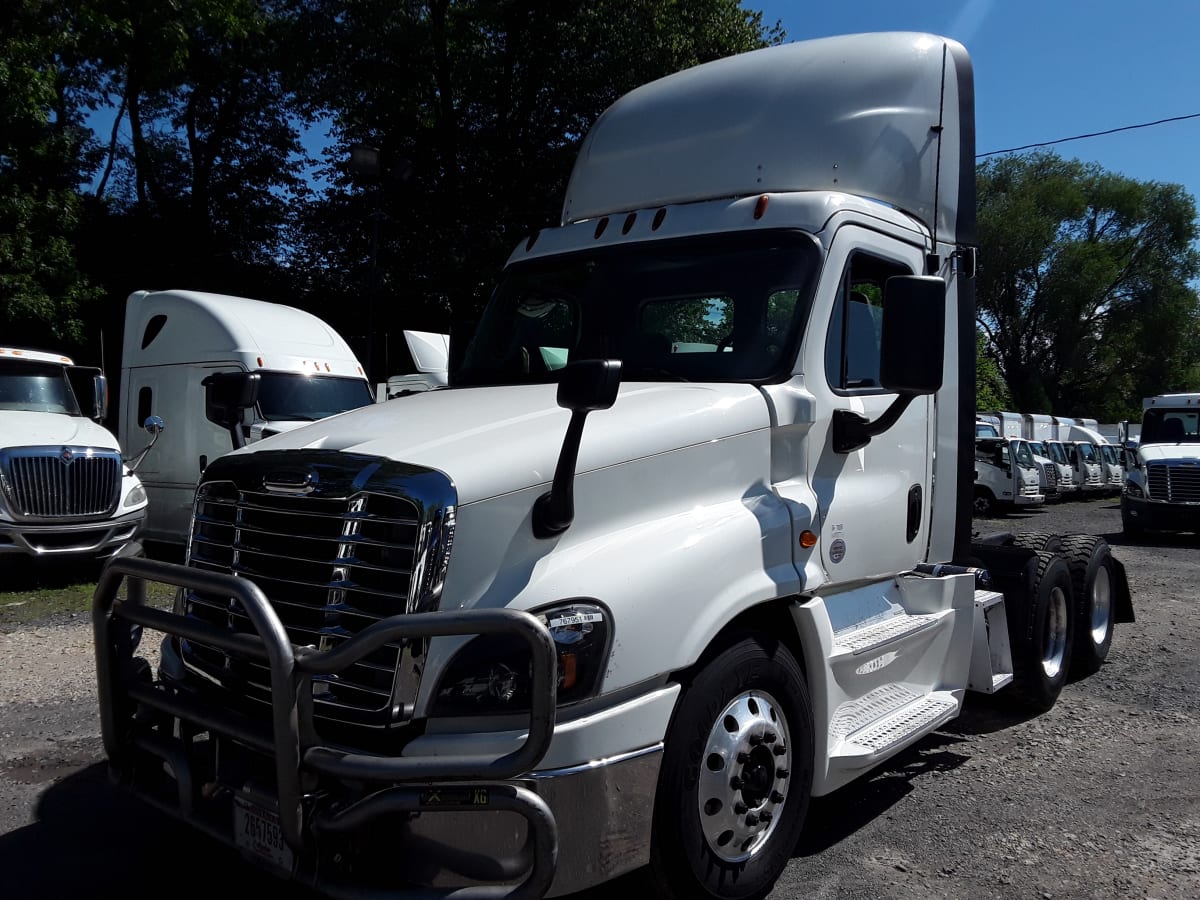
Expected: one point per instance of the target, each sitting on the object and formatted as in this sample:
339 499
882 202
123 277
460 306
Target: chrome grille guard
138 716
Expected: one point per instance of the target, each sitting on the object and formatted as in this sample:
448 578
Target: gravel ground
1097 798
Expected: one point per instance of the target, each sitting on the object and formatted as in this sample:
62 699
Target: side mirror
584 387
155 426
227 395
589 385
85 378
912 355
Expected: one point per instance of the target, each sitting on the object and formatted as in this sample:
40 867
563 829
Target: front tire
736 775
1090 560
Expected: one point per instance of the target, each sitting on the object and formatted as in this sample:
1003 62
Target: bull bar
291 739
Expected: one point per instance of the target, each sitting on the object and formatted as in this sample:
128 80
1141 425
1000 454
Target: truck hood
39 429
1160 452
493 440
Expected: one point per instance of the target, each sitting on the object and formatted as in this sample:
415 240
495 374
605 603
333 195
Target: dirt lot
1097 798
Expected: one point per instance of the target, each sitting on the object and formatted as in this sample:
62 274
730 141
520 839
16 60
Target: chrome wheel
1101 606
1054 638
743 779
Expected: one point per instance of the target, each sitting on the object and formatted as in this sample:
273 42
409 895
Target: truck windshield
1171 426
291 396
1056 453
1088 452
1024 456
719 308
36 387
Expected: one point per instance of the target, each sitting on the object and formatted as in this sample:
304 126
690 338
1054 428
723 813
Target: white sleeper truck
1162 482
603 604
64 488
174 340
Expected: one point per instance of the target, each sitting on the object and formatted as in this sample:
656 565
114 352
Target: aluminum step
868 638
867 730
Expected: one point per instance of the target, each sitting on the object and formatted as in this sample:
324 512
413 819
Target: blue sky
1048 69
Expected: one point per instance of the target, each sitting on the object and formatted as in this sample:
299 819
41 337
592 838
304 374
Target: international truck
1162 482
1007 476
65 490
175 339
1016 427
598 605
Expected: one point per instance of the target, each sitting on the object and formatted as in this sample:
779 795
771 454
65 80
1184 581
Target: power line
1080 137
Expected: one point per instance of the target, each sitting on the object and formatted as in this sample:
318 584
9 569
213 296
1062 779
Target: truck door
874 503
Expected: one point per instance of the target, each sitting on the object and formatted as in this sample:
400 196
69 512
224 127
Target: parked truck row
1026 459
602 603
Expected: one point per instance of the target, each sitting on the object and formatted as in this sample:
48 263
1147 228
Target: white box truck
175 339
610 606
1162 482
1016 427
64 488
1042 434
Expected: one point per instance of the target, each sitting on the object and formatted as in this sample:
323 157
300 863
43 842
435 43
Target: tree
487 102
991 393
42 158
1086 293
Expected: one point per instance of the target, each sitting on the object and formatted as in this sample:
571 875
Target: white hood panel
491 441
40 429
1160 452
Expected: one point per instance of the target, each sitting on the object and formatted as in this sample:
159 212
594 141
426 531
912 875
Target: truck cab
1162 482
1006 476
64 488
685 542
176 339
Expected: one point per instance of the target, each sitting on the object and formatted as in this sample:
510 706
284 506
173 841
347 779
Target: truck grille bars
1174 483
59 482
333 558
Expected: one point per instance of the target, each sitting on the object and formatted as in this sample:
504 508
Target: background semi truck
598 605
175 339
1162 482
64 488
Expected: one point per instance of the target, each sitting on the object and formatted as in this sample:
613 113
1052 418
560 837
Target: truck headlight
135 497
1133 489
491 674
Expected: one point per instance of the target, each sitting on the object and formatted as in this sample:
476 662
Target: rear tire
736 776
1041 613
1090 561
1038 540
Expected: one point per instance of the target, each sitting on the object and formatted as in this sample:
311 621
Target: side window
145 398
852 349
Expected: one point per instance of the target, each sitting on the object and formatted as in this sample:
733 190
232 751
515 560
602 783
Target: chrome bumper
101 539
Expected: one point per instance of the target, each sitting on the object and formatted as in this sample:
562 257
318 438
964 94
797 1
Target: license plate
257 833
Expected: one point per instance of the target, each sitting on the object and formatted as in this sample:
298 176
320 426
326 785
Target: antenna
932 261
103 368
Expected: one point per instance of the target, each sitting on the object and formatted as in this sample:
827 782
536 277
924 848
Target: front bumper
47 538
476 820
1156 516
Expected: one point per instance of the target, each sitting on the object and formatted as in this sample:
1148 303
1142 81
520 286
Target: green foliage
42 149
990 390
1086 293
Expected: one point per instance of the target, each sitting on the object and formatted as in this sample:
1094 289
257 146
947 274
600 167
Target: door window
852 351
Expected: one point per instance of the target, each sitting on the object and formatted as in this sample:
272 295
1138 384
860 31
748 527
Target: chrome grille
1051 471
1174 484
370 543
60 482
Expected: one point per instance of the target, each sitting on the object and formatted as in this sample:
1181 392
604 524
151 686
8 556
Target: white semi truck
176 339
64 488
599 605
1162 482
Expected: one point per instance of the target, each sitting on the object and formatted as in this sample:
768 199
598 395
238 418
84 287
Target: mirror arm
852 431
141 454
554 511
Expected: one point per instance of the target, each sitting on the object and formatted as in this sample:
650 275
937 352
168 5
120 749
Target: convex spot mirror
589 385
154 425
914 330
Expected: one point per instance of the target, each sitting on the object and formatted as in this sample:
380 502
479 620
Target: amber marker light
807 539
760 207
